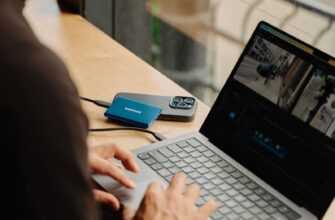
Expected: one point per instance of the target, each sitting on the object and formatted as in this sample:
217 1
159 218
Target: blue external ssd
132 112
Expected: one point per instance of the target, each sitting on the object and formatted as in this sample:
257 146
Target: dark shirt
45 129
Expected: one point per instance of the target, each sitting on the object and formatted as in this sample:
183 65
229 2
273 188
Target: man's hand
174 203
100 160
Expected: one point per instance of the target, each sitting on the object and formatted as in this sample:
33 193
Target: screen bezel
306 52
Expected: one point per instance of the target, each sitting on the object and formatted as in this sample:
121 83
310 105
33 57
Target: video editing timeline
293 84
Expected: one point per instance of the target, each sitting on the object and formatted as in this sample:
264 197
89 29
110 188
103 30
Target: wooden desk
101 67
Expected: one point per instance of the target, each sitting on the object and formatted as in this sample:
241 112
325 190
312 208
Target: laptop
267 147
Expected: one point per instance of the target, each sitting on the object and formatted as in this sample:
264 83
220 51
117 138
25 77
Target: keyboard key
174 148
149 161
233 216
229 169
261 203
144 156
267 197
203 170
174 159
246 215
208 153
209 164
187 169
246 192
158 156
238 209
209 186
230 180
217 170
223 197
182 144
230 203
166 152
189 159
283 209
292 215
210 175
189 149
196 165
196 154
168 164
254 197
181 164
240 198
174 170
269 210
225 210
225 187
259 191
275 203
156 166
279 216
231 192
201 180
223 175
217 181
216 192
244 180
183 155
194 175
202 159
238 186
247 204
237 174
222 163
216 158
202 149
255 210
263 216
251 186
164 172
193 142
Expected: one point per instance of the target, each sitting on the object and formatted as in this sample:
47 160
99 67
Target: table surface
101 68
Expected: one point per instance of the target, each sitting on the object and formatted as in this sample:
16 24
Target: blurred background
196 43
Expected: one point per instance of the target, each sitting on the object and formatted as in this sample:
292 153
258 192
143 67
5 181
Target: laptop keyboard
238 196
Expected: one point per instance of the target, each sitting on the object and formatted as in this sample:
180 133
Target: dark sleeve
51 138
70 5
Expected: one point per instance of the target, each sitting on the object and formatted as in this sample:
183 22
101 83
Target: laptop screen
276 116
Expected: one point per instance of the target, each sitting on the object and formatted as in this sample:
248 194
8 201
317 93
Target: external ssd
132 112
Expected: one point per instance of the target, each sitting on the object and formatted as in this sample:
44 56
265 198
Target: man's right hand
175 203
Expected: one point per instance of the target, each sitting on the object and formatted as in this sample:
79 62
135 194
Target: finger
106 198
128 213
107 168
127 159
207 209
154 187
177 183
192 192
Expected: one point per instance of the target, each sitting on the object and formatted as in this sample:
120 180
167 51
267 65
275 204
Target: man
45 140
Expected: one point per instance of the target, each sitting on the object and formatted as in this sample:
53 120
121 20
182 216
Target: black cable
100 103
156 135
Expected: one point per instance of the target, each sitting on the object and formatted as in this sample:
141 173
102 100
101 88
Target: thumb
106 198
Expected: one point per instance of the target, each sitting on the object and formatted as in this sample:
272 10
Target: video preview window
291 83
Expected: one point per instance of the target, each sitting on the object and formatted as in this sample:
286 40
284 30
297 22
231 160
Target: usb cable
103 104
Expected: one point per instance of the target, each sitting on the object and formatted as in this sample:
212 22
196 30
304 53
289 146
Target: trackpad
128 197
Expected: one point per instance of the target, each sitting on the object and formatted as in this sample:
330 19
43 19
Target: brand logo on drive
132 110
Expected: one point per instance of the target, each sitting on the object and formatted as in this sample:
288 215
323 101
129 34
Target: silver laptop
266 149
